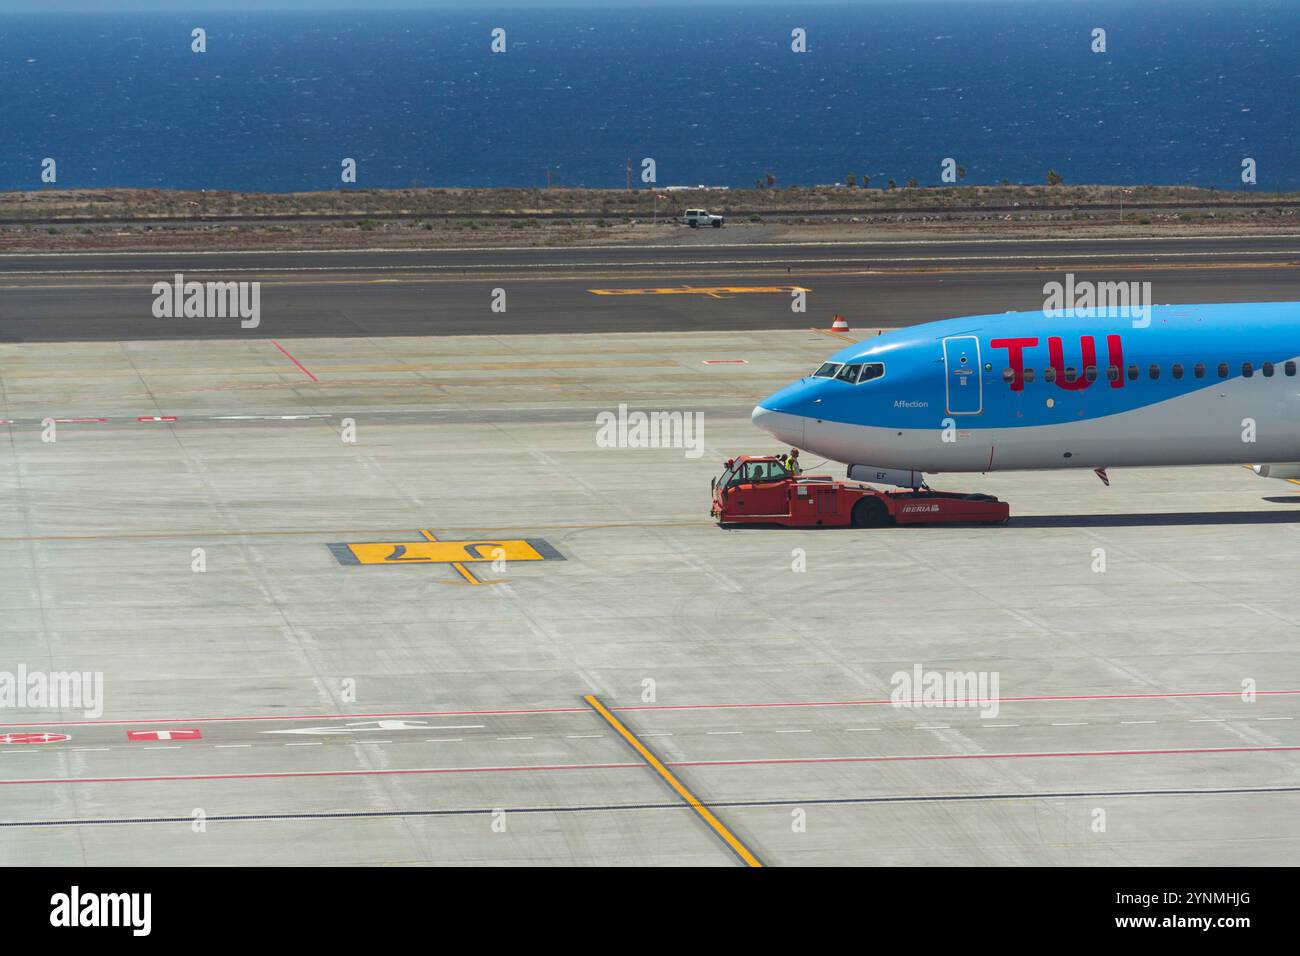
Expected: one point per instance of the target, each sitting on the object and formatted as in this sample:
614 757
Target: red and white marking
163 735
32 738
156 418
77 421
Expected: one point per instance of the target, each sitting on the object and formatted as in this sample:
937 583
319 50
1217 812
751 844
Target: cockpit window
854 374
857 374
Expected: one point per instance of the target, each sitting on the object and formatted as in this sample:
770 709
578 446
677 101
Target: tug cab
758 486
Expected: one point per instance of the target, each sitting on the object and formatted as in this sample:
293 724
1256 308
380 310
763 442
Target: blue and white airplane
1198 385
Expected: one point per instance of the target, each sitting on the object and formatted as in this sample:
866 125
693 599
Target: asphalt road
699 283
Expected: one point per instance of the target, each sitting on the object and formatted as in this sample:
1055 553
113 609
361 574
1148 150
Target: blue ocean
714 94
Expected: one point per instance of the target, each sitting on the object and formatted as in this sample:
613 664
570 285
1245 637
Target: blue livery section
1022 369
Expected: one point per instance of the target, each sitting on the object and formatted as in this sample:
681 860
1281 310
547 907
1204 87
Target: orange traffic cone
840 324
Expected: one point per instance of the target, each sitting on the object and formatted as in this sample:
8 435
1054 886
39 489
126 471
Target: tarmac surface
295 671
659 287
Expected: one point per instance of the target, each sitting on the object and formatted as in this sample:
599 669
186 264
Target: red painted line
156 418
726 361
768 761
968 700
330 773
302 367
584 710
757 762
76 421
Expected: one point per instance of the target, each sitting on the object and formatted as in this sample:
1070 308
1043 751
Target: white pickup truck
699 217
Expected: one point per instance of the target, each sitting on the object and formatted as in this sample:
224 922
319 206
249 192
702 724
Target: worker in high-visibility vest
791 461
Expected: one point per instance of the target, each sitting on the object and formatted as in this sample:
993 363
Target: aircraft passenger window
849 373
1247 369
1090 373
1029 375
1290 368
871 370
1199 370
1223 370
1133 373
1049 374
1008 375
1177 370
1112 373
1070 373
1154 372
1268 369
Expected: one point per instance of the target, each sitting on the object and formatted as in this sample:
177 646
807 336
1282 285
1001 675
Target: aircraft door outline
963 378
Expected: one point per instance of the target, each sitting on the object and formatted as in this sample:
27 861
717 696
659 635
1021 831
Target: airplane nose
782 426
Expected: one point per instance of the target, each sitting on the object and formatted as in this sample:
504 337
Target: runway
295 672
702 282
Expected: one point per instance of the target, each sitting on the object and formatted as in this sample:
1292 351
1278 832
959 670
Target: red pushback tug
757 489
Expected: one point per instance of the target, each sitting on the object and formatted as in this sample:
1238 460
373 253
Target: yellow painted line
321 279
465 573
460 568
836 335
716 292
1251 468
705 814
